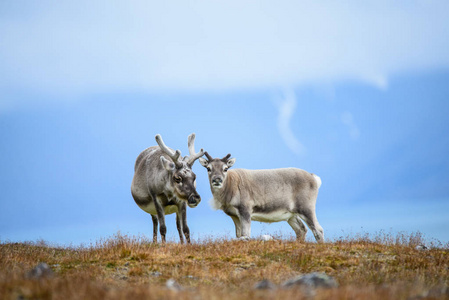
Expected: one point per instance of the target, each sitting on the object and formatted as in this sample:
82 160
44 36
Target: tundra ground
381 267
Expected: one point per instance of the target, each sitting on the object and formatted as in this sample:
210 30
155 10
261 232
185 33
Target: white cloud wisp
286 107
348 120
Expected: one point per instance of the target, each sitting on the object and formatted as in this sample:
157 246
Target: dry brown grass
382 267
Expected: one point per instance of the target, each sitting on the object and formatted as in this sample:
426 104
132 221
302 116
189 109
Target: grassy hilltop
381 267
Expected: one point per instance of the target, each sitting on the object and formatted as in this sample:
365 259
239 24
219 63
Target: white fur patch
151 209
214 204
318 179
276 216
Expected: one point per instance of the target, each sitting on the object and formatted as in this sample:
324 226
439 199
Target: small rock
439 292
421 247
434 293
172 285
266 237
126 264
264 285
156 274
191 277
312 280
42 270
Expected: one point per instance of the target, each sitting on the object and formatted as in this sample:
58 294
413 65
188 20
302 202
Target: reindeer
164 183
264 195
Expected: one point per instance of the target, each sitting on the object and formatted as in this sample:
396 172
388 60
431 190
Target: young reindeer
164 183
264 195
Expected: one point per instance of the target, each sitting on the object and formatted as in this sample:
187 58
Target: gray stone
311 280
264 285
438 292
421 247
42 270
172 285
266 237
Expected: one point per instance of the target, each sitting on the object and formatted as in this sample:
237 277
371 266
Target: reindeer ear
203 162
230 162
168 165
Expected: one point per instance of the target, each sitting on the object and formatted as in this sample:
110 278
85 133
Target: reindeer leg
238 226
299 228
309 217
245 222
185 227
154 228
179 226
160 217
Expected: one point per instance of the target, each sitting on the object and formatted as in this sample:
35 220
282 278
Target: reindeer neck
229 189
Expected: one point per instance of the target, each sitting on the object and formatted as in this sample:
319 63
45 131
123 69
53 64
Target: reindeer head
217 169
182 178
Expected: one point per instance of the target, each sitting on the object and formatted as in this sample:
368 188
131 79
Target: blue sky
357 94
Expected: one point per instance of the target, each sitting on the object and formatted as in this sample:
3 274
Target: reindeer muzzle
217 181
193 200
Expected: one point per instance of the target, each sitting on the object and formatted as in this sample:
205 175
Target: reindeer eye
225 170
208 169
177 179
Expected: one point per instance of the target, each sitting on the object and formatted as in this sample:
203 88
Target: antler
192 155
225 159
209 158
174 156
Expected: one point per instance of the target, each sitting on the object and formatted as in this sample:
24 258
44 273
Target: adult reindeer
164 183
265 196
